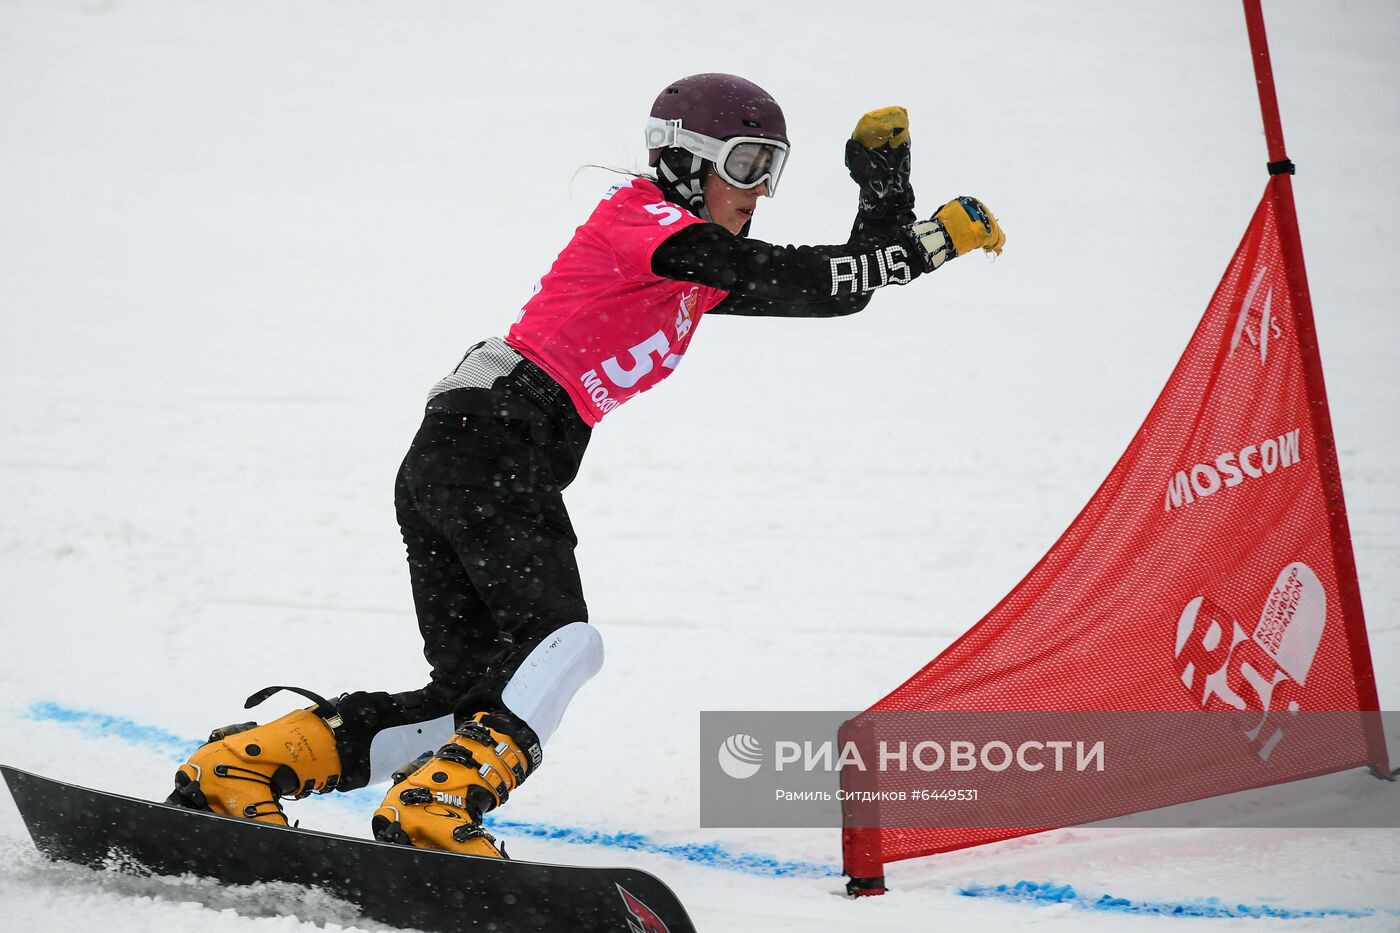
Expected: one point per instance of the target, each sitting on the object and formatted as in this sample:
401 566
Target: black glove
877 156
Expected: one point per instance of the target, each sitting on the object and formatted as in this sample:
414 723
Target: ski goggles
743 161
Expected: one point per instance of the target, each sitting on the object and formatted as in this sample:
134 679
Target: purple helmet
720 106
715 122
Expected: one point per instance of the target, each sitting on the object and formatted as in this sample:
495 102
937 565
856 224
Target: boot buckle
476 732
464 832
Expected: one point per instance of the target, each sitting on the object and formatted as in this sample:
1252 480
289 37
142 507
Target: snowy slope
239 241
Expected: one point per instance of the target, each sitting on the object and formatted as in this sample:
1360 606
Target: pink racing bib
601 323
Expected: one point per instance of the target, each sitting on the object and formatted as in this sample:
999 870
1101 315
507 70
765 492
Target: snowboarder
478 498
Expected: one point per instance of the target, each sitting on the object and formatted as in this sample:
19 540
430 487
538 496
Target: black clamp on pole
1286 167
865 887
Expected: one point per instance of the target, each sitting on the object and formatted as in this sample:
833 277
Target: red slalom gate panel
1211 571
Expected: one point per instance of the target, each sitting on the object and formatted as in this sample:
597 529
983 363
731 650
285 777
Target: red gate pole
863 860
1281 188
1264 78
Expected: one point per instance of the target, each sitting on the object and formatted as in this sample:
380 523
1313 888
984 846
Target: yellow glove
958 227
877 156
885 125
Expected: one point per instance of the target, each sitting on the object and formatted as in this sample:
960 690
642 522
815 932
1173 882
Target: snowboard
397 885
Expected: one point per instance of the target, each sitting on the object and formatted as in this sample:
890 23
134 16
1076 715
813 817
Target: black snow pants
490 550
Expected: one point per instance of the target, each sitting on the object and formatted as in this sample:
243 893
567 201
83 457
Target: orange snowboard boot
437 801
246 770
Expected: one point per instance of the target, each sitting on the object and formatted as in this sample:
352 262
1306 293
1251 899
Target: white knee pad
542 686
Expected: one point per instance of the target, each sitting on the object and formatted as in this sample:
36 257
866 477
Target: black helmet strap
681 175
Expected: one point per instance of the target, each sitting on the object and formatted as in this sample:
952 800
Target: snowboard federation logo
685 314
1268 326
740 756
1226 669
641 918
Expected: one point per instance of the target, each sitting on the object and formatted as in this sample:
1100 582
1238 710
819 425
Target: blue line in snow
709 854
1042 893
117 727
717 855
